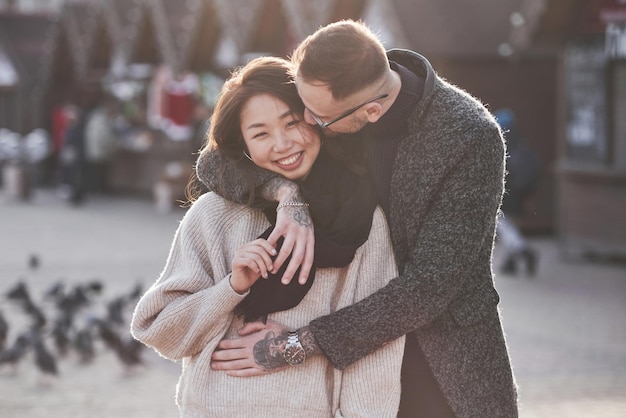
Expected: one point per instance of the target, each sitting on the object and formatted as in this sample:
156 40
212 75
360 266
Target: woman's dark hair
263 75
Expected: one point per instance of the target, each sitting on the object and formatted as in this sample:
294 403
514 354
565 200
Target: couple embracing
341 267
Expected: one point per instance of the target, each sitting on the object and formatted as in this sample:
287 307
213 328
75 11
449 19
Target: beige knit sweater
189 309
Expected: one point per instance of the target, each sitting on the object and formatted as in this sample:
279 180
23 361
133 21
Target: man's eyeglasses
325 125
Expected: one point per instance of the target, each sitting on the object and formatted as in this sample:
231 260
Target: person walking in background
72 160
436 157
217 276
522 176
100 142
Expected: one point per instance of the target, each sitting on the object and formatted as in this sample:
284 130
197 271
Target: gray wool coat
446 190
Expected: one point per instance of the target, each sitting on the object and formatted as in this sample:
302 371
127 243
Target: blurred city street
566 327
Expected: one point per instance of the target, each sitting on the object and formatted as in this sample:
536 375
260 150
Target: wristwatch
294 353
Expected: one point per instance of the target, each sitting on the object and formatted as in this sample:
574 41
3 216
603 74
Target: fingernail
274 251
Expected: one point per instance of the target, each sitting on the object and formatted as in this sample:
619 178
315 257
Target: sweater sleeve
371 386
188 307
458 227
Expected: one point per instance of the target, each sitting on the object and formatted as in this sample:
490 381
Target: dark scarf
385 135
342 205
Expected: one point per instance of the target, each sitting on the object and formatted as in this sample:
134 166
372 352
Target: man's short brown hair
346 55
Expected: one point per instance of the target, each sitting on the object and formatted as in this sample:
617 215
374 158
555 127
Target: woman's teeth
290 160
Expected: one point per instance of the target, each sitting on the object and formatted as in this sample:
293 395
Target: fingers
235 361
241 367
307 264
255 256
296 259
302 256
252 327
294 224
221 357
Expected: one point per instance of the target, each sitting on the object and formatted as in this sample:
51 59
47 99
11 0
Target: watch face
294 354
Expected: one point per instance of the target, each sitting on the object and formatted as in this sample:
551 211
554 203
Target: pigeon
115 310
55 291
12 355
4 332
84 345
34 262
61 337
127 351
45 361
20 293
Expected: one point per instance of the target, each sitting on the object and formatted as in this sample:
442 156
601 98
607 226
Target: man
436 157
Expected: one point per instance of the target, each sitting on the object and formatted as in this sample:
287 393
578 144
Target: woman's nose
283 142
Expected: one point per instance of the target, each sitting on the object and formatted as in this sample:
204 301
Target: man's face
321 109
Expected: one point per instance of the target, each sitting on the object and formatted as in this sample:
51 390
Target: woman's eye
259 135
293 122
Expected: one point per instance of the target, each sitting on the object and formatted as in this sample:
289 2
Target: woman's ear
373 111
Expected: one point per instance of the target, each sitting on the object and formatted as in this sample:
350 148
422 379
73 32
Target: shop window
586 98
617 82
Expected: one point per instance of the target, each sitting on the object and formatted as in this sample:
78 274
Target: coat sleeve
188 307
232 180
458 226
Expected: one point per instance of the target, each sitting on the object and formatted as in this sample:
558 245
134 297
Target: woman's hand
251 261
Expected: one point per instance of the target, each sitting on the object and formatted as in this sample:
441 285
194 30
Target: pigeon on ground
45 361
13 354
4 332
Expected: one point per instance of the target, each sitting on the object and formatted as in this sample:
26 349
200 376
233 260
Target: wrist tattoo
270 190
268 352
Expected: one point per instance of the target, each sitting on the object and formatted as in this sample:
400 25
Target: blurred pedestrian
72 157
522 176
100 142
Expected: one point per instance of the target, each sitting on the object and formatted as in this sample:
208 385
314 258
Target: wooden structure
25 40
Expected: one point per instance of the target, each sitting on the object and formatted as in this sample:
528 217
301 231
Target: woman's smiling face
277 139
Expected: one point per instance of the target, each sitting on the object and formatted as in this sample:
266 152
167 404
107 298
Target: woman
217 274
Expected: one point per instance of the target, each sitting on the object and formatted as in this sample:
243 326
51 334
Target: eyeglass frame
345 114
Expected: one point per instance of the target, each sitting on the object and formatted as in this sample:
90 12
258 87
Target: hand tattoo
301 215
268 352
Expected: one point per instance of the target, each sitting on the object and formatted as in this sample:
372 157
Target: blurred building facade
557 63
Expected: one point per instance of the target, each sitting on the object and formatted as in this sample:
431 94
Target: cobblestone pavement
566 327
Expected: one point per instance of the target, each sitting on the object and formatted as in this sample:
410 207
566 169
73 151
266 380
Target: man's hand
295 225
258 351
